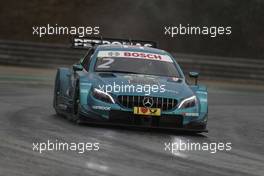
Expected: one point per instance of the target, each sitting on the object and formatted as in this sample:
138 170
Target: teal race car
130 84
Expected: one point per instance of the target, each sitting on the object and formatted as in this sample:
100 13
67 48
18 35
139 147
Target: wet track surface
27 116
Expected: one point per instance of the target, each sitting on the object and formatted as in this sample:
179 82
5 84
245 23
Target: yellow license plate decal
147 111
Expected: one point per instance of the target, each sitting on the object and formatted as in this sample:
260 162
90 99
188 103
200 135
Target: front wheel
56 93
76 116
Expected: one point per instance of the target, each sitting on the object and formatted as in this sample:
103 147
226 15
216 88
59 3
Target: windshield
148 64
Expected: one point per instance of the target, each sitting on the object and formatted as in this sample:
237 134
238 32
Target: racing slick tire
76 116
56 93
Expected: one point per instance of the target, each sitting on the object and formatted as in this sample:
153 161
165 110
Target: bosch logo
143 55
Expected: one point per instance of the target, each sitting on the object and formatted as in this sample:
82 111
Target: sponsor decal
89 42
104 108
147 111
139 55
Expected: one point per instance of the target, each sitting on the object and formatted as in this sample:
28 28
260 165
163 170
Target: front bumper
99 112
123 117
129 118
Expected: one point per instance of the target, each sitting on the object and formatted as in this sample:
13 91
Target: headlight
188 102
103 96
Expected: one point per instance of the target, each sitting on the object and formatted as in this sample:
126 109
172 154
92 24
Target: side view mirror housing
194 75
77 67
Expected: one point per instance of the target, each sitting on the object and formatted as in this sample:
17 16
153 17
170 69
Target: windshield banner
132 54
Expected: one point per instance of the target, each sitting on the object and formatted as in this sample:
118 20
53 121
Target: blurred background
238 56
232 68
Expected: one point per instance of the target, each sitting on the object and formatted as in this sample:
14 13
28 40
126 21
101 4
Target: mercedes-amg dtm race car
130 83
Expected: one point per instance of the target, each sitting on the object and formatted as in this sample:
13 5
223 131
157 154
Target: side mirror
194 75
77 67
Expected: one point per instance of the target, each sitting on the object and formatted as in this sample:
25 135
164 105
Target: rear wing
85 43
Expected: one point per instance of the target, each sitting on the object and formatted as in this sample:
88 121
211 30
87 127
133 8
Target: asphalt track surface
27 117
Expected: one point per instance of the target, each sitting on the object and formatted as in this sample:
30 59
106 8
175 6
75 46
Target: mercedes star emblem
148 102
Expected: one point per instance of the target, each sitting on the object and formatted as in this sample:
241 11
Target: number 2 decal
106 64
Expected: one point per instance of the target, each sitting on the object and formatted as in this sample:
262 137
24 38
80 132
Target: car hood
143 85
